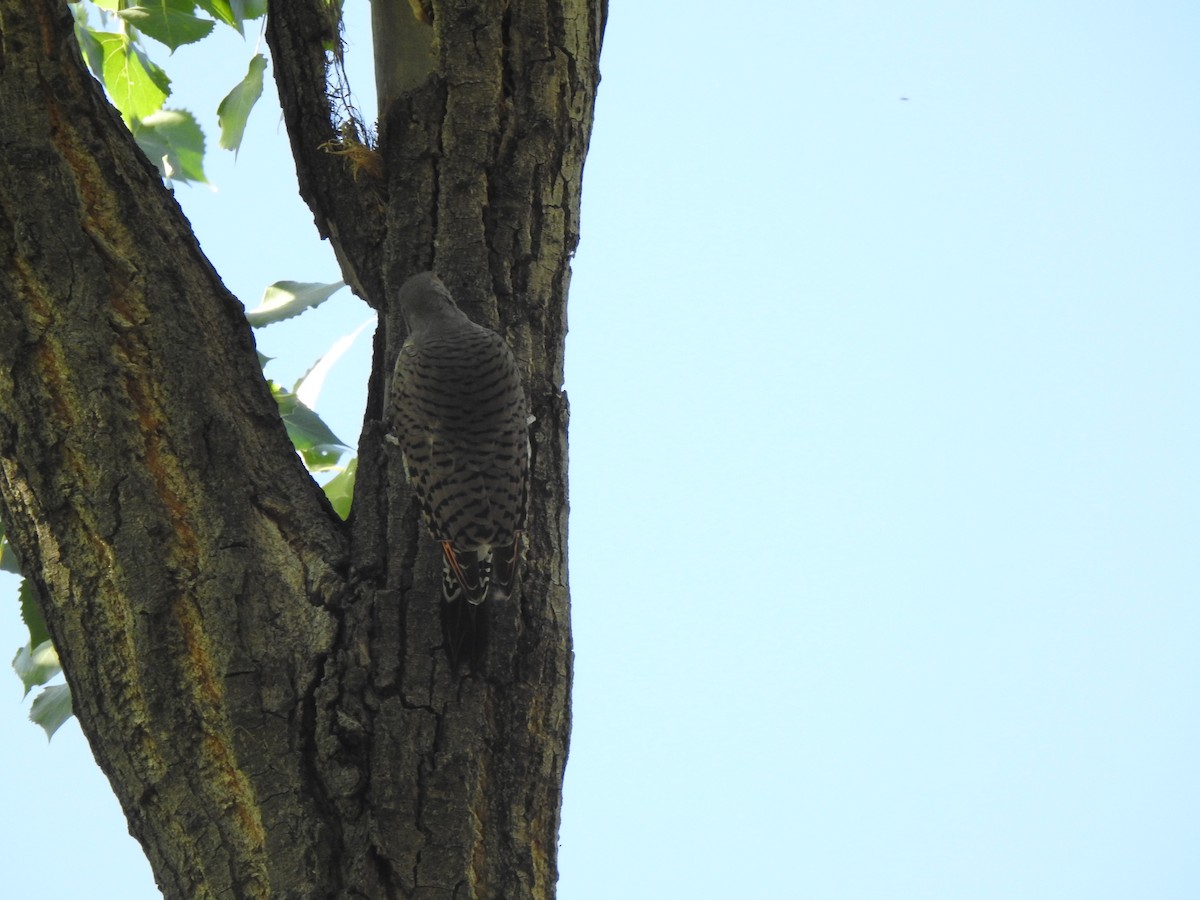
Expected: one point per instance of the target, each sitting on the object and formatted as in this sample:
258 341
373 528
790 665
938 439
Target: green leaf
37 666
251 9
234 110
285 299
319 447
340 488
222 11
51 708
137 86
170 22
9 561
93 52
173 141
321 458
234 12
308 388
31 614
8 558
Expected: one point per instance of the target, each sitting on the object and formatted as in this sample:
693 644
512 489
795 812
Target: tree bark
264 685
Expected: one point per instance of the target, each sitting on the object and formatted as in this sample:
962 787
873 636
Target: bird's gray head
425 301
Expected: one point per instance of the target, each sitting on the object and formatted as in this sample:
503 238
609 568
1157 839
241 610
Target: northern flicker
459 414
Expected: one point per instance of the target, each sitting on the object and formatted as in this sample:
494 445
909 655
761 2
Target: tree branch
178 547
405 55
483 159
339 177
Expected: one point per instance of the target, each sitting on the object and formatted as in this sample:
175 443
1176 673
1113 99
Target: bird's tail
506 567
465 575
468 579
465 630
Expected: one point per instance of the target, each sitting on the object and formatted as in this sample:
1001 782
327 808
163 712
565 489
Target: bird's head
425 301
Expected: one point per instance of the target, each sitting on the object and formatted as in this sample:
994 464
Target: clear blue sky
885 515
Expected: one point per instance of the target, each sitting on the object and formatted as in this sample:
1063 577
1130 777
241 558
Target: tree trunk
264 685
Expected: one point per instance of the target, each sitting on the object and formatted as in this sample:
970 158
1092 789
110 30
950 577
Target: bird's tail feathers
465 629
465 576
506 567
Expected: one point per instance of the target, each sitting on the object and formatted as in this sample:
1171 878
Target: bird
459 414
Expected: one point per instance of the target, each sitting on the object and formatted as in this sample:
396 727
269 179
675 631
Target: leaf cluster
110 34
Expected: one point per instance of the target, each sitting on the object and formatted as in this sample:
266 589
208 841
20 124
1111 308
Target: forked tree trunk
264 685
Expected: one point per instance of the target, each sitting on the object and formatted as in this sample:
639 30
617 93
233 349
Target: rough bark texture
264 685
